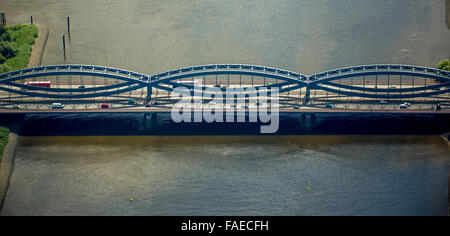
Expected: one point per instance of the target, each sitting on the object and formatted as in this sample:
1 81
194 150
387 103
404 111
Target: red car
105 106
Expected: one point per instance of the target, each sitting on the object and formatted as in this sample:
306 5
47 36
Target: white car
405 105
383 102
57 106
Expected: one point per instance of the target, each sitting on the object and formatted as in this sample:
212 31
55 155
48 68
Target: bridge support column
307 97
148 98
301 124
150 120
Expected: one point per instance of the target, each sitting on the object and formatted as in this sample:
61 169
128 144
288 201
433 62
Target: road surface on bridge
153 110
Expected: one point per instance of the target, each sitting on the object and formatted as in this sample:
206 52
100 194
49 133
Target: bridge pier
307 97
150 120
148 98
307 121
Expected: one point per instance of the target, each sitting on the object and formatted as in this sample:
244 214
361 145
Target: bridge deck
288 111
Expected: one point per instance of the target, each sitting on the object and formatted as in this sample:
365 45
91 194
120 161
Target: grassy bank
15 46
3 139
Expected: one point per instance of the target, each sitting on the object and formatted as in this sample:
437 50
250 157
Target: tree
2 59
8 49
4 68
2 30
444 65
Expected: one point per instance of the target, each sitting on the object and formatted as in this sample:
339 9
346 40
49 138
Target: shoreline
447 10
9 152
38 48
446 137
7 163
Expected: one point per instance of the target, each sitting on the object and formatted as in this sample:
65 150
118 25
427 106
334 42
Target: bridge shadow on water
158 124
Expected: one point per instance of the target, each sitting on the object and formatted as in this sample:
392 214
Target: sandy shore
447 10
38 48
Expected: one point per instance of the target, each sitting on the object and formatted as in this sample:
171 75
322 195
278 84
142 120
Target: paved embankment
7 163
39 46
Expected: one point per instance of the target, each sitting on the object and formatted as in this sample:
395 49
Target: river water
238 175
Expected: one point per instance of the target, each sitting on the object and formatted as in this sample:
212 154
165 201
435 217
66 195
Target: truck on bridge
46 84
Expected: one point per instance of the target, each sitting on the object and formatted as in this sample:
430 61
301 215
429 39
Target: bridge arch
16 82
383 81
365 83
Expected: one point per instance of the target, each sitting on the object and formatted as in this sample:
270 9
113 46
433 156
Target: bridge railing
230 67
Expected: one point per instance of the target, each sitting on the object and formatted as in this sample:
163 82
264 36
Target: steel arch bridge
357 87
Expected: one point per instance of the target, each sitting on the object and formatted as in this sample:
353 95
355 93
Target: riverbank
7 161
38 49
11 140
447 10
4 131
446 137
16 46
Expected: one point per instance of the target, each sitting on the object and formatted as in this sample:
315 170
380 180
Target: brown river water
237 175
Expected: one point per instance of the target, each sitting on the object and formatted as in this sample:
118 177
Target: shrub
15 46
6 36
5 68
4 131
17 27
2 29
444 65
8 49
2 59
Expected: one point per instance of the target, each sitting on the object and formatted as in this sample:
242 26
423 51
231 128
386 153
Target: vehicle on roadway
148 105
57 106
191 82
405 106
383 102
105 106
46 84
132 101
436 89
330 106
